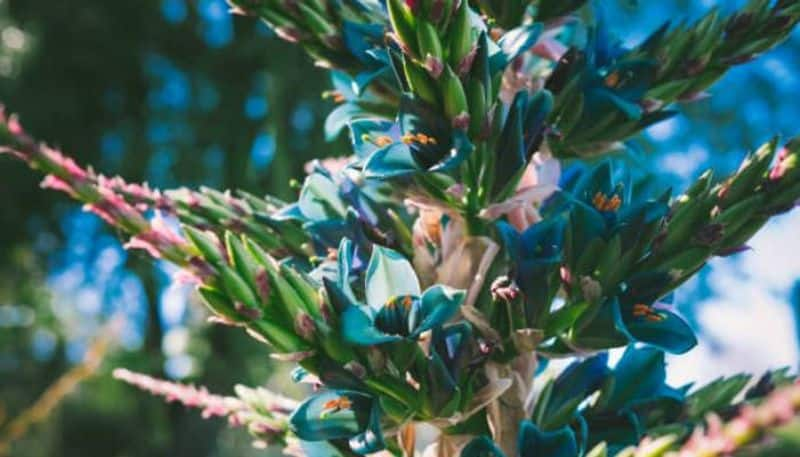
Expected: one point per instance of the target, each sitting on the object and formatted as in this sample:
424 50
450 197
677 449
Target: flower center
420 138
396 316
603 203
643 311
335 405
380 141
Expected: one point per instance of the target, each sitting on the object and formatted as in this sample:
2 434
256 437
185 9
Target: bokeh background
179 92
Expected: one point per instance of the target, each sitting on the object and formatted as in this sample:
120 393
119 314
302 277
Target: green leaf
715 396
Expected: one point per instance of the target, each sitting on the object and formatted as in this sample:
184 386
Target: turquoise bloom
340 414
395 308
532 442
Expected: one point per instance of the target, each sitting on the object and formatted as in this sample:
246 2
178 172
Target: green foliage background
81 73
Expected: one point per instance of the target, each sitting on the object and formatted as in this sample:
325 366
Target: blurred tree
155 91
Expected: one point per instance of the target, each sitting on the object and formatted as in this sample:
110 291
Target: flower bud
461 42
402 20
305 326
419 82
455 99
430 48
237 287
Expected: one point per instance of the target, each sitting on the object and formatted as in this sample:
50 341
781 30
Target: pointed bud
262 285
434 66
206 242
236 287
430 47
403 24
460 33
305 326
455 99
709 235
461 121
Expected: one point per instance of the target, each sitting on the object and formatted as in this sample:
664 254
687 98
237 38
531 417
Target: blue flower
420 141
395 308
641 317
340 414
532 442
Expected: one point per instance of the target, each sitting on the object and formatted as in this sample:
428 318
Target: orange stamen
612 79
383 140
337 404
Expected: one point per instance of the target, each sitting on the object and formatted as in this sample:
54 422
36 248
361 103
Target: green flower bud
237 288
460 33
219 304
403 25
750 175
455 99
324 30
419 82
244 263
430 48
205 242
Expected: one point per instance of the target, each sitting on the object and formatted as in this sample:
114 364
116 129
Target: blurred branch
58 390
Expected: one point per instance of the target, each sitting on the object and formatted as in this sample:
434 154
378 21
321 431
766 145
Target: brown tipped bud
246 311
465 65
739 24
709 235
461 121
358 370
290 34
305 326
504 288
591 288
263 287
434 66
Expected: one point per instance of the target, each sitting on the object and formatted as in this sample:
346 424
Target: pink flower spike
58 184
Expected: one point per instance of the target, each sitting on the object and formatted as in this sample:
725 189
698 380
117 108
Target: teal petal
513 43
314 420
536 443
388 275
372 128
598 330
319 199
510 238
510 148
344 260
371 440
462 148
443 389
639 375
597 179
481 447
439 303
320 448
340 117
362 80
340 301
392 161
670 333
359 328
586 224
